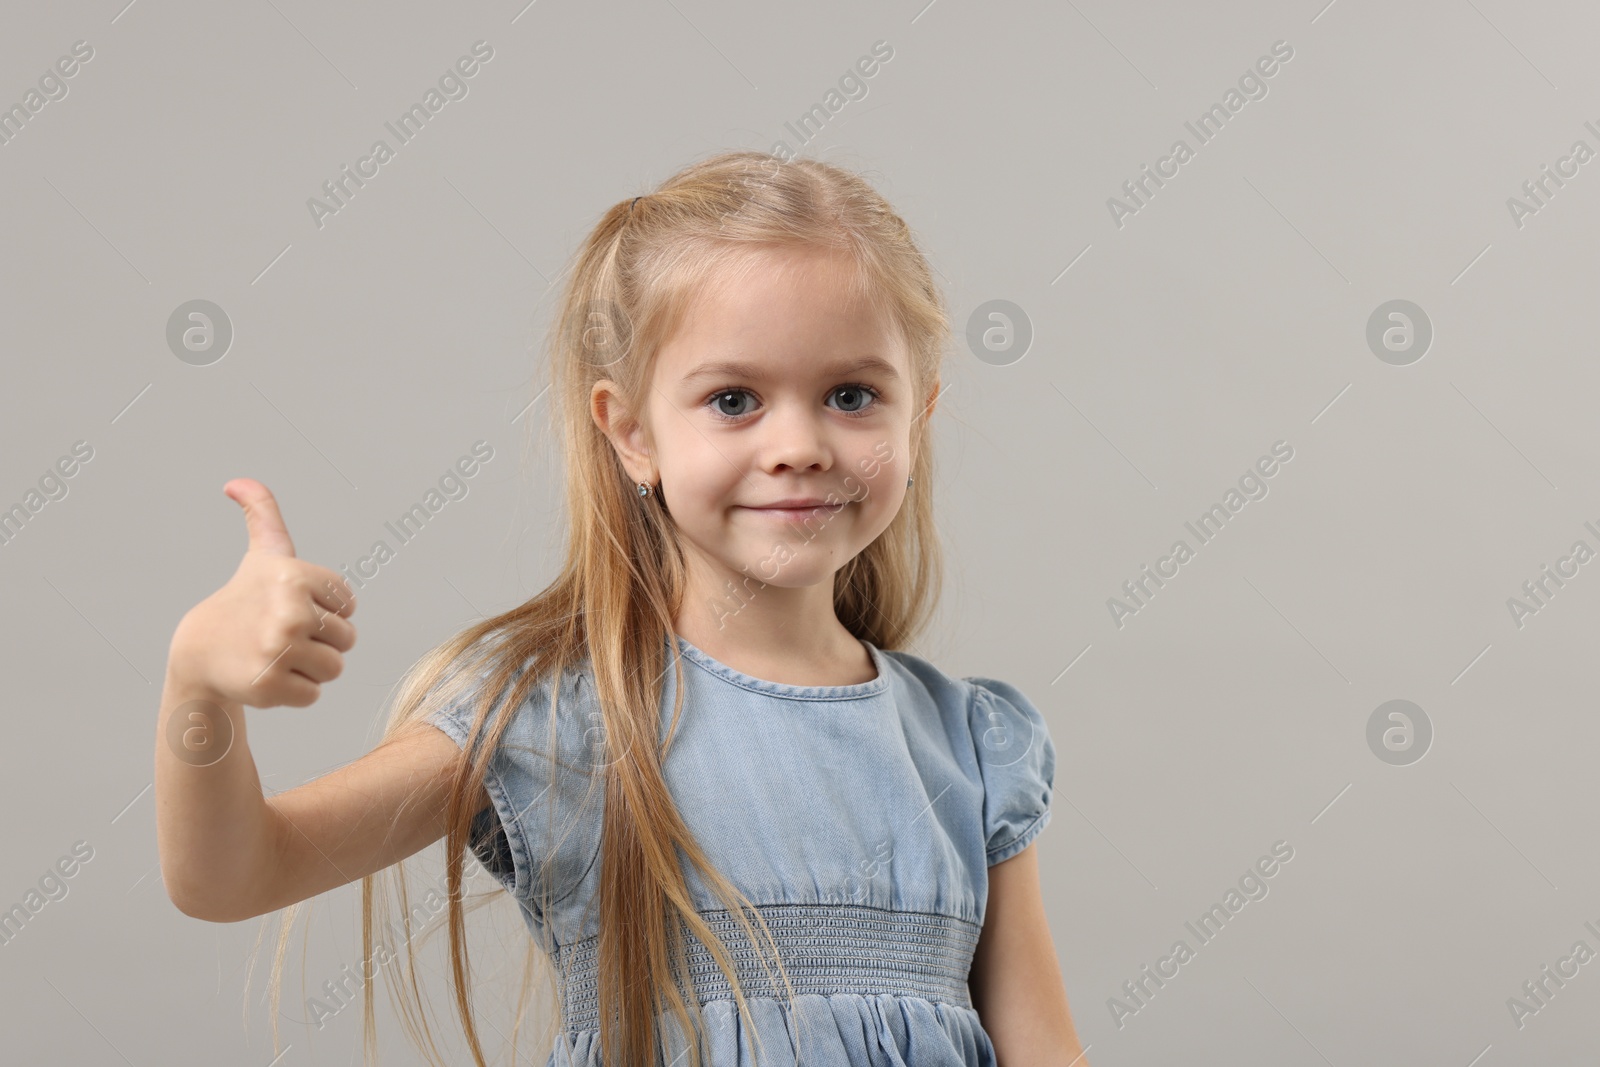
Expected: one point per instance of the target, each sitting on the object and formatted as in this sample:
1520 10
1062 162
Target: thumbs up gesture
277 630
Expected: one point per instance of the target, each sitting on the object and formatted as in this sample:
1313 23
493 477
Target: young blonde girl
740 825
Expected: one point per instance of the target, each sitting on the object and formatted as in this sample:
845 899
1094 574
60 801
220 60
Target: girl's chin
786 564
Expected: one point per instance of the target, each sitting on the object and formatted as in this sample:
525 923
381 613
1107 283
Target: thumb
267 532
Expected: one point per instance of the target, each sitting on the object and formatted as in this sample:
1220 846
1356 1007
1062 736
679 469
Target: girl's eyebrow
733 368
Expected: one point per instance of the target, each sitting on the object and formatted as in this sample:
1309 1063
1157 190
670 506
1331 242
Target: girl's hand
277 630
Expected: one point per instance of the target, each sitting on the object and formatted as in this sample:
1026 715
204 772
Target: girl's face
777 390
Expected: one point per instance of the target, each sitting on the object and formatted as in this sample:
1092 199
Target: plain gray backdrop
1439 853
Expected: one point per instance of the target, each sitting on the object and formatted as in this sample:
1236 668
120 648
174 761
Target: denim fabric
860 819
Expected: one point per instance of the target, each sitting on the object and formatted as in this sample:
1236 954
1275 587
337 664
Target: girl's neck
784 635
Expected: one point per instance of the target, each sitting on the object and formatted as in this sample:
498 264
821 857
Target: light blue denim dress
860 819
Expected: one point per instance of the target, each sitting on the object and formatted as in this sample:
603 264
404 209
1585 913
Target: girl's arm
1015 981
230 854
360 818
272 636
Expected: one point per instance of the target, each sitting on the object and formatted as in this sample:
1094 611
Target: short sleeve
1017 759
516 839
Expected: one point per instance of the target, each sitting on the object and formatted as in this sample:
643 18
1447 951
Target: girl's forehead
778 317
869 349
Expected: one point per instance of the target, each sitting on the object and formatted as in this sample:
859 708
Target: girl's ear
625 432
933 399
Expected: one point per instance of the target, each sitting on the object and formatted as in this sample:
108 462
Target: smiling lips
796 509
795 504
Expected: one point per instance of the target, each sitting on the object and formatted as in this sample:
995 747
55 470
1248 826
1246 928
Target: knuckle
288 612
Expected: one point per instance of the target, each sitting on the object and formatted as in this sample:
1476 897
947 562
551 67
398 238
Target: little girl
705 725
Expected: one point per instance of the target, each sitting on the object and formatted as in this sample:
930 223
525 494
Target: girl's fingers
330 629
299 691
315 660
330 591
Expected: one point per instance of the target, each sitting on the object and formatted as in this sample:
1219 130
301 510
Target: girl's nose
795 438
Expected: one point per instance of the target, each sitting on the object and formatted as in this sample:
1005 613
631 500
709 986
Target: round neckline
702 659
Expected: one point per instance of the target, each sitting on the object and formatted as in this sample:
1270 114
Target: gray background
1228 314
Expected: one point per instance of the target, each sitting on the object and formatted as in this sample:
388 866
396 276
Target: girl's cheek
879 464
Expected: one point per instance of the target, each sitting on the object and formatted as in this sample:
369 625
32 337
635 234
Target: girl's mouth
799 514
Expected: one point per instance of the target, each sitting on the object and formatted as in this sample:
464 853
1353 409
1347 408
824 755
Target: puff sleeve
515 839
1017 760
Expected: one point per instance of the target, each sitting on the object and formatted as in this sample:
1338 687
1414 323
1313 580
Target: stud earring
645 488
908 483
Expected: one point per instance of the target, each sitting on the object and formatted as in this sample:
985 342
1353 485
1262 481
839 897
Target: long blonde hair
620 588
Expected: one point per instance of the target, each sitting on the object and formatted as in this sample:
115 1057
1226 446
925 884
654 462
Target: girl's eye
859 401
719 398
863 395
